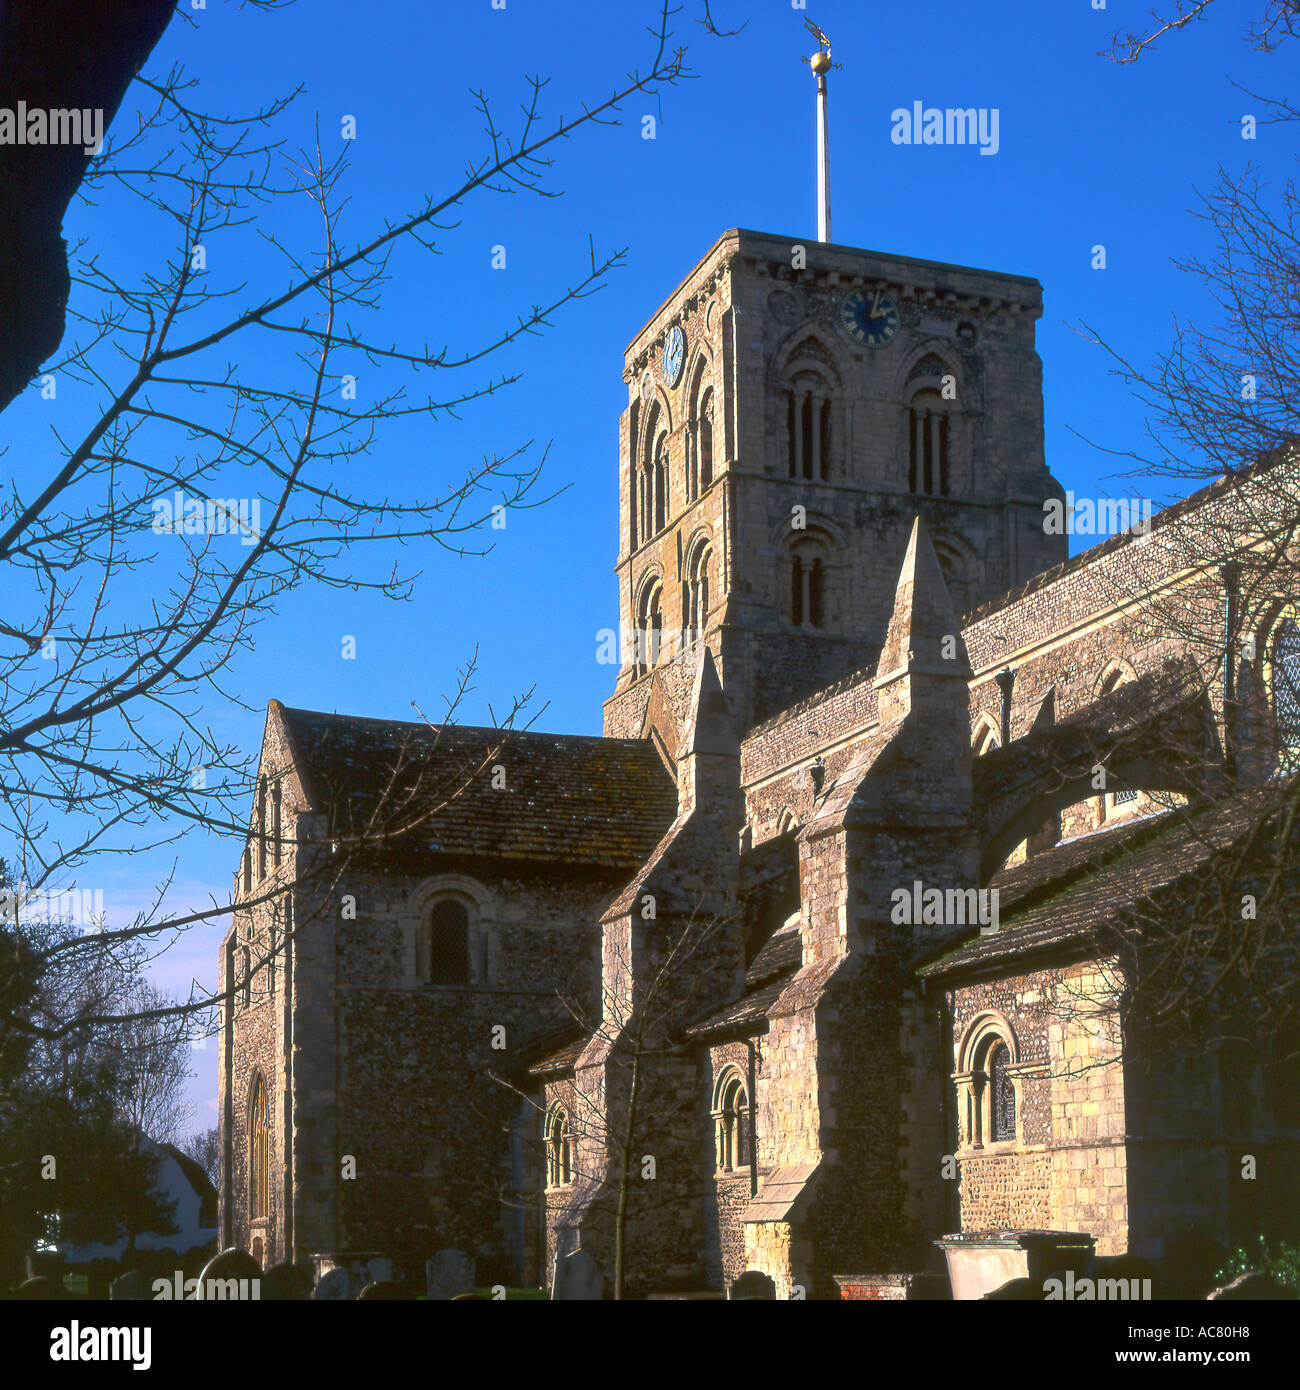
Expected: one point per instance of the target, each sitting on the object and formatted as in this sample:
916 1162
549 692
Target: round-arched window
1002 1094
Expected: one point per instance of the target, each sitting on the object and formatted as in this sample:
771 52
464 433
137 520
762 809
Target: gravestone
449 1273
752 1286
131 1286
381 1289
45 1264
284 1283
577 1279
377 1270
42 1287
1020 1291
232 1265
335 1284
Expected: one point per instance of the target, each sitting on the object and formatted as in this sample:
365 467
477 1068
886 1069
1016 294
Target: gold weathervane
821 64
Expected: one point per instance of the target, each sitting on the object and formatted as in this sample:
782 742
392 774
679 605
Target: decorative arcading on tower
792 408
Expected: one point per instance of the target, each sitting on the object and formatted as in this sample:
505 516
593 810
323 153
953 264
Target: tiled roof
561 1059
779 1192
1061 896
766 977
566 798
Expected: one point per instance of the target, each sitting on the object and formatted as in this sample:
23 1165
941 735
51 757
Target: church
815 967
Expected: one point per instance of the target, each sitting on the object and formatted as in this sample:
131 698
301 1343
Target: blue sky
1090 153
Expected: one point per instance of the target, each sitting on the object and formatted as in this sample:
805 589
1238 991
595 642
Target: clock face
674 355
869 316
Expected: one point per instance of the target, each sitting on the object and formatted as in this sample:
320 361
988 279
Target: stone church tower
791 409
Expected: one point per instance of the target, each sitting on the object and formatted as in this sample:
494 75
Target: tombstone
381 1289
131 1286
335 1284
43 1287
751 1287
449 1273
377 1270
1021 1291
1257 1287
46 1264
284 1283
577 1279
231 1264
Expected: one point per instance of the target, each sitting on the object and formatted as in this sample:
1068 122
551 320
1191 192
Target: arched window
645 480
731 1123
1284 683
245 976
807 586
262 827
276 824
928 457
1111 680
704 439
661 483
1002 1094
985 739
247 866
695 608
988 1065
810 427
649 627
559 1149
259 1152
443 954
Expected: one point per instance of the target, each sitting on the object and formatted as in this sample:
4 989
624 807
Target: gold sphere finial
820 62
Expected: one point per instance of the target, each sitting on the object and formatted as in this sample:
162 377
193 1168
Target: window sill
998 1149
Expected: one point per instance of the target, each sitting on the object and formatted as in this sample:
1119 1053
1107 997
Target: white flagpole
821 64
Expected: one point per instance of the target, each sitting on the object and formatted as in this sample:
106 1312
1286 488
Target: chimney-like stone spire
924 637
709 770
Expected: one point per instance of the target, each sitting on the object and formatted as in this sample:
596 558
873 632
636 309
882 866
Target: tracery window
559 1149
443 956
259 1151
731 1123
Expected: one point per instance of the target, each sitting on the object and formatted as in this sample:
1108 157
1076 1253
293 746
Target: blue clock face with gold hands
674 354
868 316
